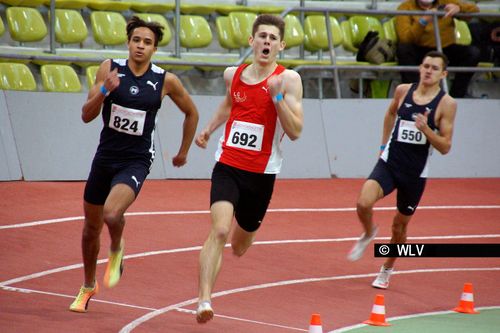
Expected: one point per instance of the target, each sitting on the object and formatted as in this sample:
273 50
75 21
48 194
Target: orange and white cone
377 317
315 325
466 304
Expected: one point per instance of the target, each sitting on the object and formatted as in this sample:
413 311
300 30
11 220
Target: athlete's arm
392 111
109 80
445 118
222 113
173 87
289 109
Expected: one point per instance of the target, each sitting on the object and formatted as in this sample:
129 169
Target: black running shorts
410 188
104 175
249 192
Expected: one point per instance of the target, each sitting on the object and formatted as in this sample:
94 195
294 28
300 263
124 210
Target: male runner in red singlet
262 103
419 118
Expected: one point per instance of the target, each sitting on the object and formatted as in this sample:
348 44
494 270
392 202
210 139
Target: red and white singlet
253 133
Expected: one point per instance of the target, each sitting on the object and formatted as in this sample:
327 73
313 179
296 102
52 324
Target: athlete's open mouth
265 51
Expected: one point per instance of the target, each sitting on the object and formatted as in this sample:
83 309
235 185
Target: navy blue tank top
408 149
129 115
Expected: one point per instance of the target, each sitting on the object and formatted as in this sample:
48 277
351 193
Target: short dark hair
437 54
269 19
136 22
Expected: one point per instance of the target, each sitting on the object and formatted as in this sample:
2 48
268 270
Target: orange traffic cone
315 325
466 304
377 317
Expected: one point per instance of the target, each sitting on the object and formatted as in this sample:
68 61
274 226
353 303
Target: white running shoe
382 280
359 248
204 312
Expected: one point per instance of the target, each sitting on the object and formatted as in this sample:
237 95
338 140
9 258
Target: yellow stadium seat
68 4
241 25
462 32
59 78
195 32
317 37
152 7
108 28
225 33
26 24
152 17
294 33
70 27
109 5
90 73
192 9
355 29
390 30
27 3
226 9
15 76
2 27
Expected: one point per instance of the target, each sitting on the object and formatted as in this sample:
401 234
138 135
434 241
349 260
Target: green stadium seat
152 7
59 78
225 33
68 4
294 33
390 30
356 28
27 3
109 5
26 24
317 37
192 9
70 27
108 28
2 27
194 32
241 25
90 74
16 76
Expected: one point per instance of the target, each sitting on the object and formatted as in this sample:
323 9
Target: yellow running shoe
81 302
114 269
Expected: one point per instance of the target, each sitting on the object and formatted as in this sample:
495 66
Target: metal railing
333 66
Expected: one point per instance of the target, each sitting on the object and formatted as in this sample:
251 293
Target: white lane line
133 324
198 248
417 315
274 210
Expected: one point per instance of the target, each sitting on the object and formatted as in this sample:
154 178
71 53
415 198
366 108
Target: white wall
43 138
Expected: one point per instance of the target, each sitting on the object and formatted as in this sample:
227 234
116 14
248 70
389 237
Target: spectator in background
486 36
416 38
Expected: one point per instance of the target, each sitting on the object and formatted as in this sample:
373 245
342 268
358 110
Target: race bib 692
246 135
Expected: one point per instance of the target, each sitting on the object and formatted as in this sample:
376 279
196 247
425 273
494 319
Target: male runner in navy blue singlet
419 118
129 92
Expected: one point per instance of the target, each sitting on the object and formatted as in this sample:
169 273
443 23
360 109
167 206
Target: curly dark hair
136 22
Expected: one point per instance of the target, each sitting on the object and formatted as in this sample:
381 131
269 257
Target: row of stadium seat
55 78
27 25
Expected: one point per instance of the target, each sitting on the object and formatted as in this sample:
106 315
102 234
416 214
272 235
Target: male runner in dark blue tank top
419 118
129 92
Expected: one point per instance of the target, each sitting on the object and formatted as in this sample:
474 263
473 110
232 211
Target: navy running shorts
249 192
104 175
410 188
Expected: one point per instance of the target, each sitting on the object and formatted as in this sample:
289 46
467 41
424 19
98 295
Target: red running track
297 266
